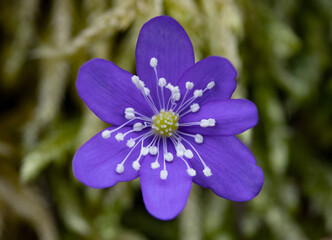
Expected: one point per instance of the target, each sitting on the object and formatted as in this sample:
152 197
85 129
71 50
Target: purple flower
172 124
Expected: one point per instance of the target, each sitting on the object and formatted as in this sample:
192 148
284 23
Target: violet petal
165 39
217 69
232 117
95 162
107 90
165 199
235 175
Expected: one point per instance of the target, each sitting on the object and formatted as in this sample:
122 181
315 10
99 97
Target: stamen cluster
164 125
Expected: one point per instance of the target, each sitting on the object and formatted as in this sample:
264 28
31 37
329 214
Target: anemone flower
172 124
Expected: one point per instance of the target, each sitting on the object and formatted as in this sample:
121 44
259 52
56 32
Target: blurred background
283 53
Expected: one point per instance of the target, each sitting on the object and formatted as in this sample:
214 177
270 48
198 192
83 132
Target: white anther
138 127
176 89
198 93
130 143
188 154
179 153
134 79
106 134
194 107
119 137
163 174
119 168
146 91
129 110
129 116
199 138
153 150
140 84
176 96
212 122
155 165
170 87
189 85
207 172
162 82
210 85
145 151
136 165
204 123
153 62
169 157
191 172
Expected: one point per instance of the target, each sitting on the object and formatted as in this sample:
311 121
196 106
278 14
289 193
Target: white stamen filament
207 171
198 137
156 164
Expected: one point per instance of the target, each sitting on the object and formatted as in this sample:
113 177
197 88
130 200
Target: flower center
165 123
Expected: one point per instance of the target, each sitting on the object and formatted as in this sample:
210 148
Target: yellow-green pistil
165 123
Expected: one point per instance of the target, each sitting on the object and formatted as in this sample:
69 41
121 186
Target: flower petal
213 68
165 199
232 117
94 163
165 39
107 90
235 175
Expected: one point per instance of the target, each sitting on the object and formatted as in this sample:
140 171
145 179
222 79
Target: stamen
198 93
145 151
207 171
146 91
198 137
138 126
153 150
188 154
155 164
162 82
135 79
191 172
129 115
169 157
208 122
106 134
119 137
119 168
136 165
131 143
189 85
129 110
211 85
180 149
153 62
203 123
194 107
163 174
